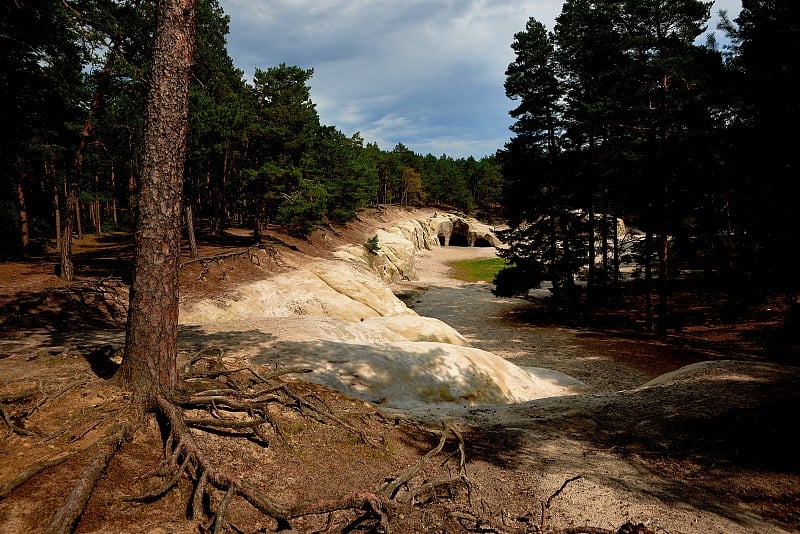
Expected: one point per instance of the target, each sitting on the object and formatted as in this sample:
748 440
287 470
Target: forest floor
708 449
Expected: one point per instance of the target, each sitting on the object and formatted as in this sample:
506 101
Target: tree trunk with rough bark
663 283
25 236
648 280
190 231
149 366
67 267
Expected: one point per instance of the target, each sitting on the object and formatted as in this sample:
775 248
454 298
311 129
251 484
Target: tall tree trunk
96 209
615 237
24 230
67 267
592 274
71 187
219 196
57 216
149 366
190 231
648 280
98 230
131 190
114 198
78 225
663 283
260 207
552 267
604 242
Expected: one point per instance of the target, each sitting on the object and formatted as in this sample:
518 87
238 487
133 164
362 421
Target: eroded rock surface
398 243
340 319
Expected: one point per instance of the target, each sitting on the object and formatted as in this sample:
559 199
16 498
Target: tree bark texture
67 267
149 366
190 231
24 231
57 216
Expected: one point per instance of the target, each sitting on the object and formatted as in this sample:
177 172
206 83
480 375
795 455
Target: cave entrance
458 240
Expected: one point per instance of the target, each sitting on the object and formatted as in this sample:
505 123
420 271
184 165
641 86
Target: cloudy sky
425 73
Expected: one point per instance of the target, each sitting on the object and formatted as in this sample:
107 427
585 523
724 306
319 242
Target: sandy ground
680 441
483 319
676 448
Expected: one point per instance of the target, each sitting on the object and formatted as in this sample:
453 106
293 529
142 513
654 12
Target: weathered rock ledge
394 259
339 318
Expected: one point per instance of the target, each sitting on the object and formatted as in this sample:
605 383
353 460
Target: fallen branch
562 488
546 504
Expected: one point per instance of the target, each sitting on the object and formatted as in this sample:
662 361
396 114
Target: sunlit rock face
393 260
398 243
412 374
455 230
341 321
323 288
442 227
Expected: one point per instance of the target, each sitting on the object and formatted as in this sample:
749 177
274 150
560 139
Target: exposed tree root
248 403
66 517
391 488
19 396
627 528
237 405
252 253
46 463
238 400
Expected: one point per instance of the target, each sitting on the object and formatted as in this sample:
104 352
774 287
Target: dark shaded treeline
621 114
74 78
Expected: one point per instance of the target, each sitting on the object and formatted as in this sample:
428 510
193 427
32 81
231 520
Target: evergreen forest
625 109
76 75
631 110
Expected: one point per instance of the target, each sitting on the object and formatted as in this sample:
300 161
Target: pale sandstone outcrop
398 243
418 328
341 320
324 288
412 374
442 227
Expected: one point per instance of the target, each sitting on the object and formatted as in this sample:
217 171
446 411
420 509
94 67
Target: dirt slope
708 448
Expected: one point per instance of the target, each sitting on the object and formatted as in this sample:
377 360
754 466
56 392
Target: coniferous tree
280 134
531 165
763 141
149 365
42 87
217 118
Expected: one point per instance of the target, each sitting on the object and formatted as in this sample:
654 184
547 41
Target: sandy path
632 453
483 319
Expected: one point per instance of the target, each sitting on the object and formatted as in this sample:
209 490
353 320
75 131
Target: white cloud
427 73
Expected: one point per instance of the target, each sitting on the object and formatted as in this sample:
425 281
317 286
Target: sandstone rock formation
394 259
451 229
339 319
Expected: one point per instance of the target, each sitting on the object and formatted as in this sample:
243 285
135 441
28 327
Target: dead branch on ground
251 252
391 488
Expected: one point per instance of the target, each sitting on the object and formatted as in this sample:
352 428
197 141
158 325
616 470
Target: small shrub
372 244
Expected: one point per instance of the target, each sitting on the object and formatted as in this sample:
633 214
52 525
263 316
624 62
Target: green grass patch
478 270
